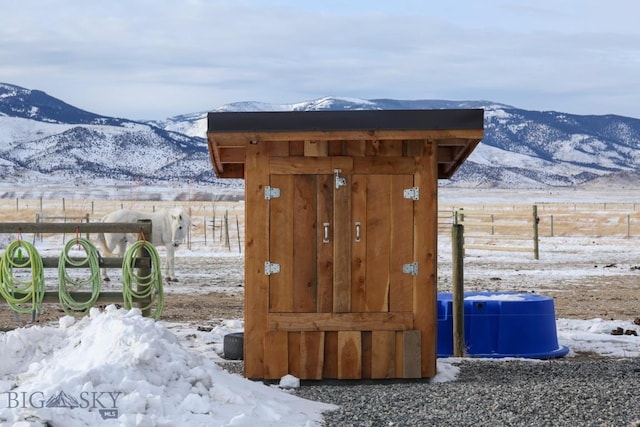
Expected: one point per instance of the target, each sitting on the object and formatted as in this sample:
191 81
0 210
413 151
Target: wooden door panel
401 244
281 242
342 247
331 273
377 243
324 266
304 245
358 243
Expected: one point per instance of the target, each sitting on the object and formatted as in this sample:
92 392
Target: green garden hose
24 292
148 286
70 305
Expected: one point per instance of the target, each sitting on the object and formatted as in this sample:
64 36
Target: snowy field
115 367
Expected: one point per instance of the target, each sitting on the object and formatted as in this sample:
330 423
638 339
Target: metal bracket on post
340 181
271 268
411 268
412 193
271 192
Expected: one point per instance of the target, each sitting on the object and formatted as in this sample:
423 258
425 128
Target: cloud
149 59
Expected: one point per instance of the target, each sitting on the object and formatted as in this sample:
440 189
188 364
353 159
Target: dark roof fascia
287 121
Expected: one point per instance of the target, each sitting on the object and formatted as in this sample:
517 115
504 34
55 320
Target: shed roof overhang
455 131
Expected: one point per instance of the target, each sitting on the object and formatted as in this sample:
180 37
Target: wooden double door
341 276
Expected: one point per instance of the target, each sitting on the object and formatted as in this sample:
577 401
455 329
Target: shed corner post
425 249
256 253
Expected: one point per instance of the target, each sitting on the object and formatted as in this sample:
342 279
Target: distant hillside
44 141
521 148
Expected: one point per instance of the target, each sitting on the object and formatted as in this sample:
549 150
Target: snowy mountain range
44 141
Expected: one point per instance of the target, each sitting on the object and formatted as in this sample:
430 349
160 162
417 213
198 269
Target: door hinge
412 193
271 193
411 268
271 268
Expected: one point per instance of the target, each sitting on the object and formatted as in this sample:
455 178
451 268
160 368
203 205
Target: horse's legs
169 270
121 247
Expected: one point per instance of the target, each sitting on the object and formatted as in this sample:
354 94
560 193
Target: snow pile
119 368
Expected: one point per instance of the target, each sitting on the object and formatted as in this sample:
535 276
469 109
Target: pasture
588 261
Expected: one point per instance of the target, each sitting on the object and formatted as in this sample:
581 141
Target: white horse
169 228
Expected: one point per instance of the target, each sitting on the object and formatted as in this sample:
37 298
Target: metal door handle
357 231
326 233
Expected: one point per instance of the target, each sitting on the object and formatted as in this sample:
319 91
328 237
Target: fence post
536 220
628 226
457 282
37 235
238 230
226 230
204 221
551 225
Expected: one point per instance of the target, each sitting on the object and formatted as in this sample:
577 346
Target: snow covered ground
115 367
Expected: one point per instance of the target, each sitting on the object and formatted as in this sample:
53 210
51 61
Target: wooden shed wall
345 233
341 309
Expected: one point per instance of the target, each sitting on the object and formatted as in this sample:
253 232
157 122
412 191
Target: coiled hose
149 286
70 305
24 294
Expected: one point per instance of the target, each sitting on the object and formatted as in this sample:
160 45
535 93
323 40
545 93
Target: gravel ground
590 392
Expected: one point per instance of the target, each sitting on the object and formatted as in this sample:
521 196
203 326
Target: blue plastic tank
501 324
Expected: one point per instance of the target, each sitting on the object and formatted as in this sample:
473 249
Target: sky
156 59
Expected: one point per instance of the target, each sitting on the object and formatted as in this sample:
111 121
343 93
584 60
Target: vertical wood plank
393 148
378 247
383 354
279 148
336 148
414 148
401 249
349 355
367 356
296 148
355 148
294 354
409 356
256 297
316 148
330 368
276 354
281 244
311 355
304 253
359 249
383 148
324 266
342 247
425 252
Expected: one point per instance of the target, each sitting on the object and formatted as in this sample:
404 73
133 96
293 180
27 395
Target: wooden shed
341 235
